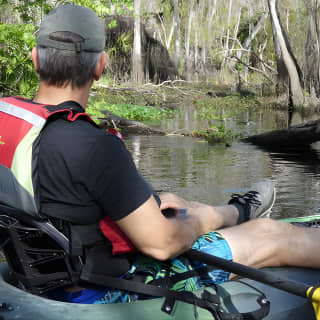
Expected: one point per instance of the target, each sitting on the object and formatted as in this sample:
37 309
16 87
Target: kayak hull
18 304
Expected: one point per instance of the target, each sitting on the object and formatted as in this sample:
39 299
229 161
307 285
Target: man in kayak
87 175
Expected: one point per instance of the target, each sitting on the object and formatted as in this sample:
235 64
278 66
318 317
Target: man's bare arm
155 235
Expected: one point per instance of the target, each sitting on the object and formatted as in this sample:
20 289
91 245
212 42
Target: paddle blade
313 294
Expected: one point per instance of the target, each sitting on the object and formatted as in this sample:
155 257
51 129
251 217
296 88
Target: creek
195 170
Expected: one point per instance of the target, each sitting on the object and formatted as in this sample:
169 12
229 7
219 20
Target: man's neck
53 95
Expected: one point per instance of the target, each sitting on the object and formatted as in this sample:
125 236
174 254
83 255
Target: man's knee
257 243
269 234
265 225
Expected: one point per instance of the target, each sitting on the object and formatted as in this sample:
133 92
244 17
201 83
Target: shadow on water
297 174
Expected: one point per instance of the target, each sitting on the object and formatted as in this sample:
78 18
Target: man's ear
100 66
34 56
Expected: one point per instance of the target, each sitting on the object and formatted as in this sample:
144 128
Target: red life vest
21 123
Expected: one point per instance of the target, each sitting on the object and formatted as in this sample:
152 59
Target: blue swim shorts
150 269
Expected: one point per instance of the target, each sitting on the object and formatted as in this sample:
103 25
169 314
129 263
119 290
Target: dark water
196 170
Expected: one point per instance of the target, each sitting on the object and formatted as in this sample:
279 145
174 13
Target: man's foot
257 202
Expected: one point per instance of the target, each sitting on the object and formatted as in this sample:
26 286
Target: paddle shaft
288 285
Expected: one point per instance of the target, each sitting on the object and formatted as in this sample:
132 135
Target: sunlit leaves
102 8
17 75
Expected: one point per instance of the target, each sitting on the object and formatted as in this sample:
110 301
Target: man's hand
155 235
172 201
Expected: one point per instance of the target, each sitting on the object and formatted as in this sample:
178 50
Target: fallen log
127 126
298 136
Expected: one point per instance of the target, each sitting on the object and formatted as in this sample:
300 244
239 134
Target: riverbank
150 103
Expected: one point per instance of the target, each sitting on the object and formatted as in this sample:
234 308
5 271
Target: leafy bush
17 74
217 134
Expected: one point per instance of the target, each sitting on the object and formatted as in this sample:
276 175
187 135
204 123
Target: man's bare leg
265 242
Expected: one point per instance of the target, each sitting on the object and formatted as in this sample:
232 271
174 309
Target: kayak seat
37 253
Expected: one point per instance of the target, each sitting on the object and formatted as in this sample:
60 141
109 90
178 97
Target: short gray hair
62 67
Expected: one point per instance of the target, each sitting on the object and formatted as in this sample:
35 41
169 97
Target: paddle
288 285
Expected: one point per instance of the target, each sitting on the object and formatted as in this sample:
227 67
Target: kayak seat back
37 253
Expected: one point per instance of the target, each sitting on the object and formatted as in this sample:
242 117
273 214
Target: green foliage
129 111
102 8
209 108
112 24
217 134
140 113
239 67
244 27
17 75
123 45
95 111
31 11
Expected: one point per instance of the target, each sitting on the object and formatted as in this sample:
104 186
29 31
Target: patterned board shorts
150 269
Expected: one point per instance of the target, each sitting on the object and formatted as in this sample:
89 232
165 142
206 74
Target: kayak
252 299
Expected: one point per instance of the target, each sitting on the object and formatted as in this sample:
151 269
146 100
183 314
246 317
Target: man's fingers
167 205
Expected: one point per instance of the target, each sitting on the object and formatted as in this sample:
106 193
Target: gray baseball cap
76 19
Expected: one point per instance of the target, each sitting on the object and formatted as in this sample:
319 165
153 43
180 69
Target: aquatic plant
217 134
129 111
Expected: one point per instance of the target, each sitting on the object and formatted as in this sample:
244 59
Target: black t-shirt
86 173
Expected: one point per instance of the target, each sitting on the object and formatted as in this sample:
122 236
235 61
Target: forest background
164 51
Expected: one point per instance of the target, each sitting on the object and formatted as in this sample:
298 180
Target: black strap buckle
6 307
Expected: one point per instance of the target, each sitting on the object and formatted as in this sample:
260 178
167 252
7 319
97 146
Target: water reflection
298 178
195 170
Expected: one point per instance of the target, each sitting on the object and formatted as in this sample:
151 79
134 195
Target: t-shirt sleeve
113 179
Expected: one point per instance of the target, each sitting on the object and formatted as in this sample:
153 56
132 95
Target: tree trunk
245 46
212 7
312 50
287 58
236 29
255 30
170 34
137 62
203 36
211 11
196 49
167 39
187 42
176 33
282 76
226 45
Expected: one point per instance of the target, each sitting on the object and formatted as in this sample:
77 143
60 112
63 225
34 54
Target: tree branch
254 69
